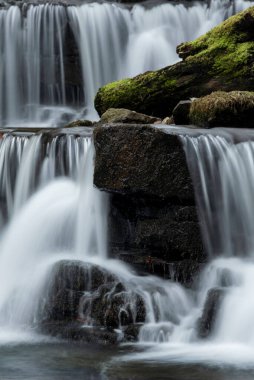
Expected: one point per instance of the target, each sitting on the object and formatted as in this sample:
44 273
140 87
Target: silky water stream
50 211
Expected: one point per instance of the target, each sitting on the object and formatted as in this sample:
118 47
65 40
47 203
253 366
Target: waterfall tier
54 58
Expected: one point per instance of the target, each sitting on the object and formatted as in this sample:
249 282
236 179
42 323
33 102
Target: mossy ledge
222 59
223 109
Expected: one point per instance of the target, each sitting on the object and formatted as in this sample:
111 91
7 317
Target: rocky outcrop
222 59
153 222
81 294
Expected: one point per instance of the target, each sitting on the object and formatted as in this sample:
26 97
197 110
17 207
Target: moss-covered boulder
224 109
222 59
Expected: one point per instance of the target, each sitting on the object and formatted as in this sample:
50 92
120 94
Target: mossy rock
222 59
224 109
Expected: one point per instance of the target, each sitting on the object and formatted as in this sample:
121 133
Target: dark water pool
64 361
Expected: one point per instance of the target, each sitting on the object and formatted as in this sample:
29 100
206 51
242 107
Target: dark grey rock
134 159
212 305
181 112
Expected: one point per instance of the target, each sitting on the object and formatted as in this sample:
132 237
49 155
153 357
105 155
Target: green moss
222 109
228 47
222 59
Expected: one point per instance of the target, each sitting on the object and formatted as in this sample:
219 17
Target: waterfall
53 212
54 58
224 192
222 172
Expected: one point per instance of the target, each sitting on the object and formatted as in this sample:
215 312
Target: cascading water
59 215
54 58
222 173
51 186
49 208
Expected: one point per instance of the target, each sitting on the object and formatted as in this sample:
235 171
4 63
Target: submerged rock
223 109
222 59
212 305
121 115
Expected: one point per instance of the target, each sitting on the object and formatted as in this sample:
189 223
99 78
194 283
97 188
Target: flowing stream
54 58
53 212
49 209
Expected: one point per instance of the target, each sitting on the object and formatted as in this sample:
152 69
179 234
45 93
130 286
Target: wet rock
131 332
175 240
69 281
152 206
113 306
233 109
121 115
150 234
134 159
181 112
222 59
212 305
84 294
185 272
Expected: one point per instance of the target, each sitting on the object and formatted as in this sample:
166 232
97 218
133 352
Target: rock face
223 109
153 223
222 59
84 294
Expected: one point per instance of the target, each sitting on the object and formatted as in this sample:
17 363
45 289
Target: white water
61 215
113 42
52 209
58 214
223 176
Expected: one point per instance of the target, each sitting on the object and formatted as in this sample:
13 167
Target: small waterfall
57 214
54 58
223 174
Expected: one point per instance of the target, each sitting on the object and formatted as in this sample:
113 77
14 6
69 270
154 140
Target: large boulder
134 159
222 59
152 219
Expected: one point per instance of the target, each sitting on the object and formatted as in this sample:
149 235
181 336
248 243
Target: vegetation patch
229 109
220 60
